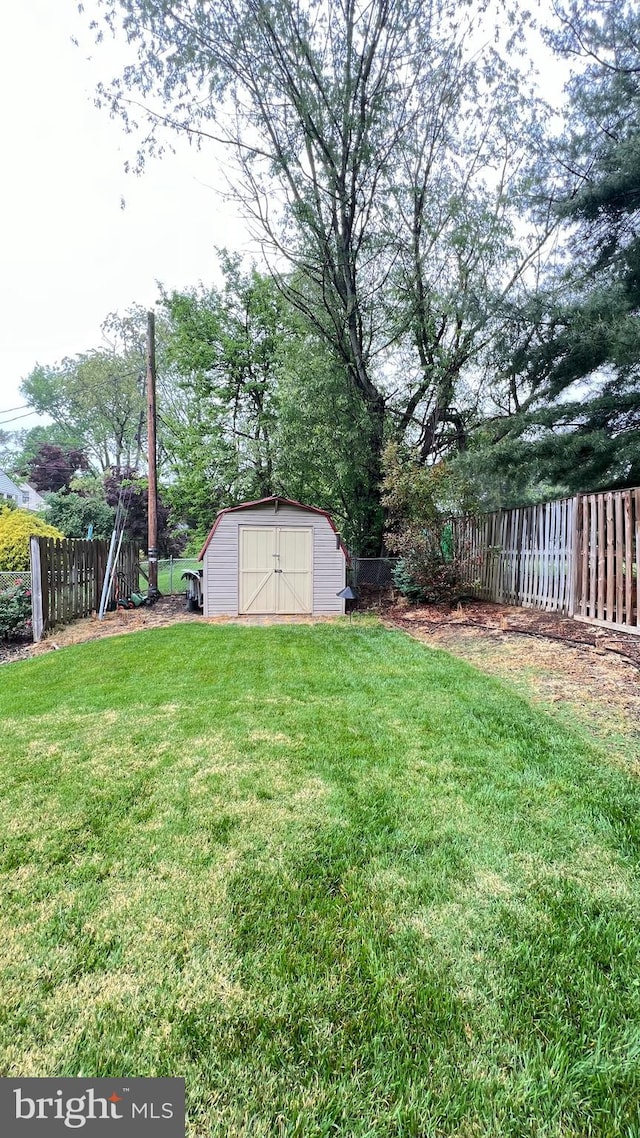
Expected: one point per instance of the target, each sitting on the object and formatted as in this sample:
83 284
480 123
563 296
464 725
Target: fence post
171 576
37 622
573 567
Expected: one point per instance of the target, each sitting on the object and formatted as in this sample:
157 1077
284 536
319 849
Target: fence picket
560 555
628 558
526 537
45 576
545 553
584 554
577 555
69 578
555 555
636 495
569 515
619 561
601 559
610 539
593 555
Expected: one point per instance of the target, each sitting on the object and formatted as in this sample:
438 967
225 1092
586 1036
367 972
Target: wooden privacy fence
607 559
521 556
67 578
578 556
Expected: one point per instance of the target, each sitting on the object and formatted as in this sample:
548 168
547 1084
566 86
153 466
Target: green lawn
343 884
170 581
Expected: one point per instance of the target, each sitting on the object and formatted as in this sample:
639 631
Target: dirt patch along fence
577 556
67 578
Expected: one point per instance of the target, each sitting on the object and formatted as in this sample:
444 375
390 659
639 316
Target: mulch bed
166 611
498 620
11 650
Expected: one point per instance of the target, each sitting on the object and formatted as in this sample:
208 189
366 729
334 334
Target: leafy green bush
421 503
16 527
404 582
75 513
195 542
430 571
15 612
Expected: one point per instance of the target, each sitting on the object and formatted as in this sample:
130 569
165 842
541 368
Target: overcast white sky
69 253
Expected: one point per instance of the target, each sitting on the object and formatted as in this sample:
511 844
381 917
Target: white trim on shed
273 557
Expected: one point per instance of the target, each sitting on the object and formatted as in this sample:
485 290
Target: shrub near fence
15 605
9 579
15 608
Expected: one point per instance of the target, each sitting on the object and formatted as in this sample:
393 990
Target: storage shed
274 556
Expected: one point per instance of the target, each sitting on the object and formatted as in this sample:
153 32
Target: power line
99 389
3 422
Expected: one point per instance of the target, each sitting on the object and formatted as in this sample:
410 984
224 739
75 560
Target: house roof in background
17 490
8 486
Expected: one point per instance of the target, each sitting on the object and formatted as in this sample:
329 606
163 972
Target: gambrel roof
276 500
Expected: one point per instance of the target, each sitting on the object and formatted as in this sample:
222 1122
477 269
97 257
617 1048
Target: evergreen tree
568 392
382 154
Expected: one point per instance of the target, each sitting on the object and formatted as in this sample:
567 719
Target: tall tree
76 515
322 442
126 489
219 416
53 467
225 341
99 395
569 392
345 120
27 444
260 405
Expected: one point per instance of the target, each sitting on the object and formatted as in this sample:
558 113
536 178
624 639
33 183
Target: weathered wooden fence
521 556
607 559
577 556
67 578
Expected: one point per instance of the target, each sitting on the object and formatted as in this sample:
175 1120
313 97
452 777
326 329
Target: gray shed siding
221 561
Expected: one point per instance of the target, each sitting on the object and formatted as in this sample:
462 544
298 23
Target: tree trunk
372 516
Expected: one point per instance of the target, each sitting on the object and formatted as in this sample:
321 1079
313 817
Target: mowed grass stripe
341 883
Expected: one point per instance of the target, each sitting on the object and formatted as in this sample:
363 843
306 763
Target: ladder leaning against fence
67 578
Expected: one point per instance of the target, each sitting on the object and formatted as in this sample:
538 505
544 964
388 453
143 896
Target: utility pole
152 540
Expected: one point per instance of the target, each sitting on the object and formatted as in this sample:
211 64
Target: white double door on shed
276 569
